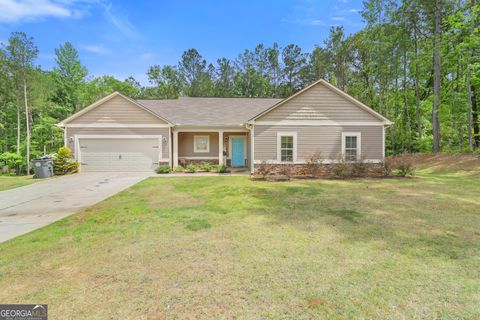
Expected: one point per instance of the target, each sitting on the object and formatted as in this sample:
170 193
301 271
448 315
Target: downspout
250 126
170 148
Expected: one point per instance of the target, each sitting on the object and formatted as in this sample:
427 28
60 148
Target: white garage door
121 154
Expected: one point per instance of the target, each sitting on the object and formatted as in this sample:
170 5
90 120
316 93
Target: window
351 145
287 146
201 144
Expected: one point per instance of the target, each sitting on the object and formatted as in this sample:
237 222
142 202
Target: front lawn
226 247
10 182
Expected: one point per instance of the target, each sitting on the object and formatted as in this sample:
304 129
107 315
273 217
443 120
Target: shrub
222 169
207 166
164 168
179 169
387 166
342 169
285 170
359 167
313 163
191 168
10 160
262 169
63 162
404 166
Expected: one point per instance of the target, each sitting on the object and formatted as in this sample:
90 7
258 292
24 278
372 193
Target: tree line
416 62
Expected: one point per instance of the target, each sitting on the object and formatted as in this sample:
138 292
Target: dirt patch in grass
447 162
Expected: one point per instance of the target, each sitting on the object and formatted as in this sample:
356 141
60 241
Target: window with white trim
351 145
287 146
201 144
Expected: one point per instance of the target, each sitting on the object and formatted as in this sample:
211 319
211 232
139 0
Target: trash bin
43 167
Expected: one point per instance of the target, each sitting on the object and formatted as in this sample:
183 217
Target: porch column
220 147
175 148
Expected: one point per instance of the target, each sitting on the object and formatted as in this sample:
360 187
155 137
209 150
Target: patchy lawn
10 182
226 247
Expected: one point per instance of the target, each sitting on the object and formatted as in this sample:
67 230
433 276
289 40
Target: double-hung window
201 144
287 146
351 145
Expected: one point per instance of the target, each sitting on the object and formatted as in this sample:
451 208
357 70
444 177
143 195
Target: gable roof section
105 99
192 111
333 89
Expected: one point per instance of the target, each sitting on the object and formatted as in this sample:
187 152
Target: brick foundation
186 162
315 171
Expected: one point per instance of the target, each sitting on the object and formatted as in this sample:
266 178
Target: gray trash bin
43 167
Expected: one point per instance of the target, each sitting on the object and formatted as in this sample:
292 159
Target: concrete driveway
30 207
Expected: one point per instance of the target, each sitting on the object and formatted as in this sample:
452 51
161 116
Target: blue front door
238 152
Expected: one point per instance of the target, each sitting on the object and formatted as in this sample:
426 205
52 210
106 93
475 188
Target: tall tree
436 78
69 75
293 62
193 69
167 81
22 52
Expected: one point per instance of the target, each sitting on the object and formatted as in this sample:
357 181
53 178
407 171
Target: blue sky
123 38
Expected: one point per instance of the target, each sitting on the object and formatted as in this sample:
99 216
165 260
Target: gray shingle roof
208 111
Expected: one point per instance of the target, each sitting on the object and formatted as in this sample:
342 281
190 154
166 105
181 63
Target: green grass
10 182
227 247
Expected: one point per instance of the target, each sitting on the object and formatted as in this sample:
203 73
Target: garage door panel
119 154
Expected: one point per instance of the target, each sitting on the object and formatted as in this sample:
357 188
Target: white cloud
341 19
15 11
119 20
100 49
12 11
146 56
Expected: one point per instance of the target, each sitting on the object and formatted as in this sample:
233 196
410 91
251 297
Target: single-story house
118 133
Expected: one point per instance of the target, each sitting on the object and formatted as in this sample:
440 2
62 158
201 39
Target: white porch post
220 148
252 149
175 148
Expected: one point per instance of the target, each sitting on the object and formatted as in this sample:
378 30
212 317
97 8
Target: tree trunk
19 132
417 90
470 109
436 80
27 118
476 125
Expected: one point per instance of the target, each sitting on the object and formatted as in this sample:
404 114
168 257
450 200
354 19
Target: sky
123 38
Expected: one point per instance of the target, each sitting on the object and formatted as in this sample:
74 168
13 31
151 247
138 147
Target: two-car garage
118 153
118 134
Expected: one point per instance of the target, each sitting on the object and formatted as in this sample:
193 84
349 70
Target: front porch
229 147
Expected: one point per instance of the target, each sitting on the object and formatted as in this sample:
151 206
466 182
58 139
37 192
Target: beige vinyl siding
324 139
164 132
318 103
186 145
117 110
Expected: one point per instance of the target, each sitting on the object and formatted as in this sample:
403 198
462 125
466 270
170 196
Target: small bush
262 169
359 167
191 168
285 170
222 169
63 162
179 169
387 166
404 166
162 169
342 169
10 161
207 166
314 163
